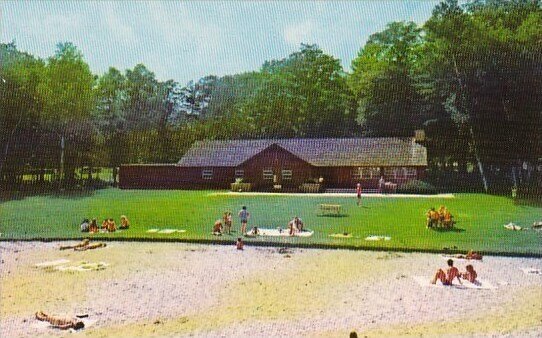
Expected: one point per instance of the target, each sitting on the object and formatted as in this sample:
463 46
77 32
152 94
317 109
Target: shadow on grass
454 229
66 194
333 215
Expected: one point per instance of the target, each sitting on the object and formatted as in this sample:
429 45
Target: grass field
480 218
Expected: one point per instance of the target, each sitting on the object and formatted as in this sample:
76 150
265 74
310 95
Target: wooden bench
326 208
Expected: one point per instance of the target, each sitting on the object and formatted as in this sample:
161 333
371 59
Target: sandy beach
171 289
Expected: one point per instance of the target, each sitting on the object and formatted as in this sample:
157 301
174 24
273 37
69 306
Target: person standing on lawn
244 215
358 193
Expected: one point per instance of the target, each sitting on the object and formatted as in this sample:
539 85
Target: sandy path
169 289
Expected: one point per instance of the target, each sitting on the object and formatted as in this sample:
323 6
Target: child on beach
239 245
447 277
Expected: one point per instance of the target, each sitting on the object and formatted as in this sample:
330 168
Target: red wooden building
341 163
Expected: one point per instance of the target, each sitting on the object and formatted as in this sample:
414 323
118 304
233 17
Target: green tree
67 93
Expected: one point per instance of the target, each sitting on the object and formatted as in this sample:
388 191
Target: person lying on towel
59 322
447 277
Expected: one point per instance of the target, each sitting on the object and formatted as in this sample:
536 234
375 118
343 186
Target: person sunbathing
441 211
432 218
111 225
60 322
447 220
239 244
470 275
93 226
85 225
447 277
83 243
90 247
124 222
217 228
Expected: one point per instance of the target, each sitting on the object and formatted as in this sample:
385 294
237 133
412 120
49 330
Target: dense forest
470 77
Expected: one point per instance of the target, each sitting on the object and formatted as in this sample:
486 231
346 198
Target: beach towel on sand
165 231
52 263
283 233
480 284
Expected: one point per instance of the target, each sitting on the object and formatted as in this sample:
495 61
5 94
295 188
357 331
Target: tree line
470 77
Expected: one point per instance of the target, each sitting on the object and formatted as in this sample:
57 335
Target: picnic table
330 208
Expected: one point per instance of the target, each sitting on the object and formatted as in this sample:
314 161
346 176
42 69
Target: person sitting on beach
447 277
227 218
93 228
470 275
441 211
124 222
447 221
255 231
85 225
217 228
432 218
105 223
111 225
239 244
295 225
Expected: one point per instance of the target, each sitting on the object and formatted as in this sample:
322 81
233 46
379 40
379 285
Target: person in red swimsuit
447 277
358 193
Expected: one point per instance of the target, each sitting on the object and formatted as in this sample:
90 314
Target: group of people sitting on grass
439 218
224 225
108 225
447 277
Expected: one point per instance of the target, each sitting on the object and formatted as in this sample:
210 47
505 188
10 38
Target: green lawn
480 218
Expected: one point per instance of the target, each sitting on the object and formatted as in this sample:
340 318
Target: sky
186 40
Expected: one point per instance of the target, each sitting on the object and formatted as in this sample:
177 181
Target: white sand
173 289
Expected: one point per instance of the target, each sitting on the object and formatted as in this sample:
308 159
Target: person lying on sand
124 222
59 322
447 277
84 243
470 255
90 247
217 228
470 275
239 244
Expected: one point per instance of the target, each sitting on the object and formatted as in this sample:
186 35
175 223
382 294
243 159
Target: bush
417 187
310 187
239 186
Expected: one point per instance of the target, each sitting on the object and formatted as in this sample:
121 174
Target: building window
365 172
239 173
286 174
357 173
268 174
207 174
